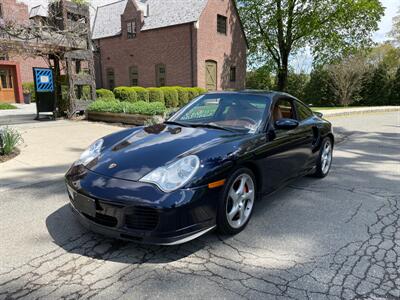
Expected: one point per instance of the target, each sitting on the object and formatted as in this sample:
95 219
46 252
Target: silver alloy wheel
240 201
326 157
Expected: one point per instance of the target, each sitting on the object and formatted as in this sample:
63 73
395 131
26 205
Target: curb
359 111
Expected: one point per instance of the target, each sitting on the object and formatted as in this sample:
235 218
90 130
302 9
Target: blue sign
44 80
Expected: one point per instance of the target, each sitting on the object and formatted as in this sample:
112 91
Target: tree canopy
277 29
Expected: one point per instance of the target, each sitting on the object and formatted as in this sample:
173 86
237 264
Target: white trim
189 238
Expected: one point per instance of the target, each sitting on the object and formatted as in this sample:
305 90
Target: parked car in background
205 167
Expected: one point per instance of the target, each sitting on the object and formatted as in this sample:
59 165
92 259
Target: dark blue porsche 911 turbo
204 168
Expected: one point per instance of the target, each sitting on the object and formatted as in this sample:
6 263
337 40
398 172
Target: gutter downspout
191 53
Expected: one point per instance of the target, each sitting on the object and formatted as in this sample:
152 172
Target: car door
310 135
282 154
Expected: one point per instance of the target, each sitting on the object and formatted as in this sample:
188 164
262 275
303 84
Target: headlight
90 153
172 177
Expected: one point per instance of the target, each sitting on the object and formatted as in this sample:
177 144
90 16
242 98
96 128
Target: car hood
151 147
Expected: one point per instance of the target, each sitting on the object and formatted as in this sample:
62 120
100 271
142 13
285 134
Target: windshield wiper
211 125
177 123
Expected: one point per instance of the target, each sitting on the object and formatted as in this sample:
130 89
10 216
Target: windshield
243 112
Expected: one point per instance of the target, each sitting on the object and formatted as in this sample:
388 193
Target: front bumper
140 212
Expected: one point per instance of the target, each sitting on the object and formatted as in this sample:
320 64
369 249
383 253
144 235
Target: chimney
148 10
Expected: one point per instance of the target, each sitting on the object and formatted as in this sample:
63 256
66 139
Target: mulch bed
4 158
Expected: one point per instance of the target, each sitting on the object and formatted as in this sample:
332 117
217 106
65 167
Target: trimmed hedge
200 90
142 93
183 95
125 93
156 95
171 96
140 107
104 93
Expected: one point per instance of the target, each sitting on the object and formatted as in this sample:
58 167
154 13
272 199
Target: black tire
223 225
320 170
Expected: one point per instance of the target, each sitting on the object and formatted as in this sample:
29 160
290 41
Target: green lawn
4 106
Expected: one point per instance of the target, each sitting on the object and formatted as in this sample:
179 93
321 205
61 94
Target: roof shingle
162 13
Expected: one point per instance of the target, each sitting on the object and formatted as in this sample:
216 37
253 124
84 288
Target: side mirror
318 114
286 124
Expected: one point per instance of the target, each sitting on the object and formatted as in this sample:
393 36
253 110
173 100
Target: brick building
14 68
170 42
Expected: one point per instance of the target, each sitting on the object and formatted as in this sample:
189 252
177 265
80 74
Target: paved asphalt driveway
337 238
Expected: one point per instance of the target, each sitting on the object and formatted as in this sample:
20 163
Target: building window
1 10
221 24
110 78
232 74
134 76
6 79
161 75
131 29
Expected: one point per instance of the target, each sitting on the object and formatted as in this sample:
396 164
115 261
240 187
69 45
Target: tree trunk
282 78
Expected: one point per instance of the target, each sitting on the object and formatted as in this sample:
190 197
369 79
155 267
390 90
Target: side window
303 112
110 78
283 109
161 75
134 76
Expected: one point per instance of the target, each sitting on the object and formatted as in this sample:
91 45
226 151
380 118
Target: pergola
64 39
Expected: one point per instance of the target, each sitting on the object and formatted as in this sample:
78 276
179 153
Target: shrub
9 140
192 93
125 93
183 95
171 96
29 88
156 95
200 90
104 93
145 108
140 107
142 93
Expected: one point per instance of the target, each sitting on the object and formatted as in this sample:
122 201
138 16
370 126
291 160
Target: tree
318 90
395 32
259 79
376 85
277 29
394 97
346 78
297 83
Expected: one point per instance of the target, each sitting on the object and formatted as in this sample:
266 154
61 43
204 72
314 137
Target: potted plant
27 93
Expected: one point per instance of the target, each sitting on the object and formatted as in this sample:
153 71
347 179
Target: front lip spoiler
189 238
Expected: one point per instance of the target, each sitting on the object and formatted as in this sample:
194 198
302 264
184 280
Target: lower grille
103 220
142 218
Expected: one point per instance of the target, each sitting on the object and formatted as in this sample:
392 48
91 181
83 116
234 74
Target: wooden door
211 75
7 93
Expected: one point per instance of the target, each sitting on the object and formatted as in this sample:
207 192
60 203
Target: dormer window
131 29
